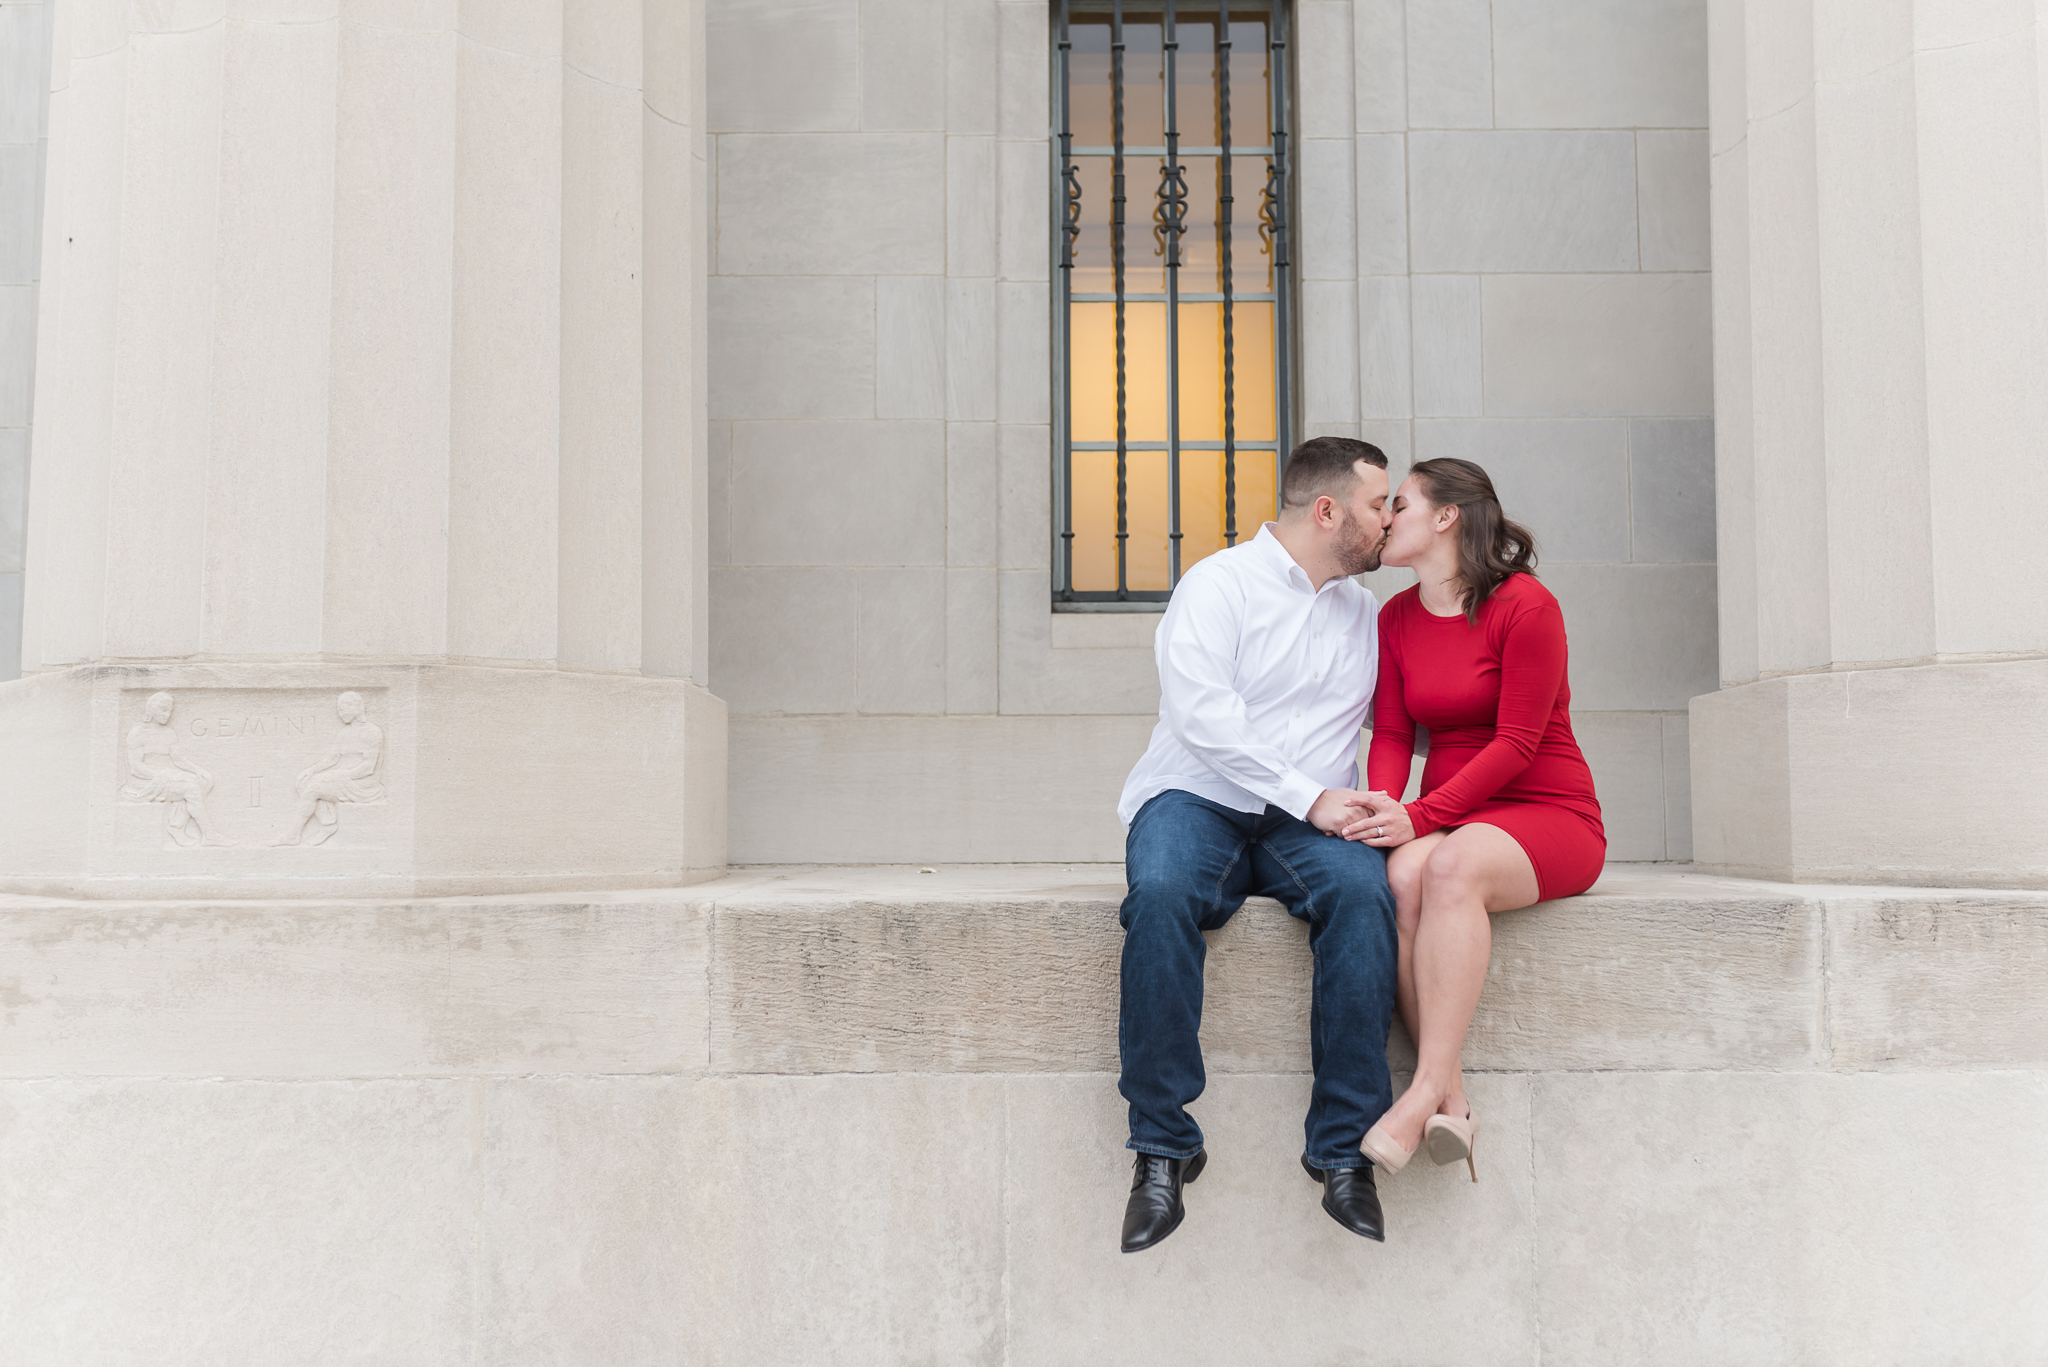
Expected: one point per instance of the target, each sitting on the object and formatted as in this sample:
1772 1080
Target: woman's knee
1449 872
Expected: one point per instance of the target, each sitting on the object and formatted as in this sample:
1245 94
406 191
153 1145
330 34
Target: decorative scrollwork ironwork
1272 215
1072 176
1170 213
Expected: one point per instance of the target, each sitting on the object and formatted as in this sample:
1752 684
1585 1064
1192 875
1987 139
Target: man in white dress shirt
1267 657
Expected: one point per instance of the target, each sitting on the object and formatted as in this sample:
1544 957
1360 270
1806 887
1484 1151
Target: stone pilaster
1880 265
370 436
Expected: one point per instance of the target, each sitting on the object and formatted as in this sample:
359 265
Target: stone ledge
982 969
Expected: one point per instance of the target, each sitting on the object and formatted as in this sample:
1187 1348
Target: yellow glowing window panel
1171 333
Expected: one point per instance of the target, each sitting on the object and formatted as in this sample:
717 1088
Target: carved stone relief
258 768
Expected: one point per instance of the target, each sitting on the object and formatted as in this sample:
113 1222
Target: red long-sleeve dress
1497 703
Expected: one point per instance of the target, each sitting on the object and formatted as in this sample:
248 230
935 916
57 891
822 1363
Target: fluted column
1881 342
371 361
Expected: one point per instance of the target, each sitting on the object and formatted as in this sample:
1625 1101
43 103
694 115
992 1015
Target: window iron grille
1180 357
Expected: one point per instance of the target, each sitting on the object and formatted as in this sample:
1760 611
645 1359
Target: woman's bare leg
1476 871
1404 876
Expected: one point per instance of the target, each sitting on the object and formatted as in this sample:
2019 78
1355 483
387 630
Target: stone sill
985 969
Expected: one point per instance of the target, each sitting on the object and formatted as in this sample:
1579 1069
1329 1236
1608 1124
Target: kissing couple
1270 656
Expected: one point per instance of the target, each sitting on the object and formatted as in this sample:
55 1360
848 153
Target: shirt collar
1285 565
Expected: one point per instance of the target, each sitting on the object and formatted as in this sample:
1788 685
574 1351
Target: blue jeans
1190 864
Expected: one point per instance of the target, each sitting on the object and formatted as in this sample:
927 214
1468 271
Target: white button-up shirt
1264 682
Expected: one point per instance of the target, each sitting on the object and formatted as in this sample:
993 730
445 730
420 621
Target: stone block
1602 344
10 625
1379 59
1329 361
586 1230
1523 201
718 478
1450 64
1394 438
1567 480
1448 346
238 1222
783 640
1600 63
1625 751
17 353
1023 353
1642 636
910 346
792 347
23 40
1023 90
356 989
1937 981
1024 498
972 506
1323 105
783 65
880 198
1382 176
970 361
1677 789
1024 244
21 238
1105 630
815 493
1671 489
1040 680
1327 236
1257 1264
14 444
1737 1185
970 206
971 652
1671 188
975 789
1385 371
971 67
802 1255
902 640
902 46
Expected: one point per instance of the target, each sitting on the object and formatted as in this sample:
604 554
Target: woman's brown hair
1490 548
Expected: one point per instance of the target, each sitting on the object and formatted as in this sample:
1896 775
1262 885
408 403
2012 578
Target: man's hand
1377 820
1334 810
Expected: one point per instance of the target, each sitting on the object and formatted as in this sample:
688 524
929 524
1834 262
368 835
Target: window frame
1277 198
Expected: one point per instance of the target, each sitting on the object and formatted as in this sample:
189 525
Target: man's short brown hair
1325 465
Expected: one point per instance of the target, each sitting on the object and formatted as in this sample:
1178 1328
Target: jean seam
1136 1147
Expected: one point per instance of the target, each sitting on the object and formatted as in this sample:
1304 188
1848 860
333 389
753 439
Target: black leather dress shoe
1350 1198
1155 1210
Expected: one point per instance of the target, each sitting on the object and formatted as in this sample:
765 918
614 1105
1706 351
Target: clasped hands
1371 818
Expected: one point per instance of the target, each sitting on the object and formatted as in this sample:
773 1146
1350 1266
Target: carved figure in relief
348 772
158 773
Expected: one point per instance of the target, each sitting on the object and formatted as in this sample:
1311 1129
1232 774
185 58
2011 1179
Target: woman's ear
1447 517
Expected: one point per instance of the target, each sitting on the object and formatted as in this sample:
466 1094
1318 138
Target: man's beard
1359 550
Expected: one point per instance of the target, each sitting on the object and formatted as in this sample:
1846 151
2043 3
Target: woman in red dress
1475 652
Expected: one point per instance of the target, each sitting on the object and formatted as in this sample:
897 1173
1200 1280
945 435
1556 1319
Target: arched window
1172 312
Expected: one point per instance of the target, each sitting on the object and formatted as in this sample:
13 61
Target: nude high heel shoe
1449 1138
1380 1147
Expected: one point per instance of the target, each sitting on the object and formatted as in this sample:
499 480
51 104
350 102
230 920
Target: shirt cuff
1298 793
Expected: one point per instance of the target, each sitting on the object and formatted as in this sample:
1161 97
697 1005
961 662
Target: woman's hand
1381 822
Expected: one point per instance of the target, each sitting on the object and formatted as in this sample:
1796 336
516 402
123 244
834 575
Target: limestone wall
869 1116
24 107
1503 256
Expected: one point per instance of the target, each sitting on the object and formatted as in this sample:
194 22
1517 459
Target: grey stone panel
1379 31
1448 346
1041 679
902 52
1030 986
1936 981
848 1221
973 789
14 446
972 616
1023 353
1567 480
970 206
1775 1219
831 204
1329 363
1671 179
1677 788
1625 751
783 65
1322 43
1671 489
17 353
970 361
10 625
1587 345
356 990
1023 39
1600 63
1385 376
1382 172
792 347
782 640
829 493
1450 64
24 51
902 640
1024 499
1642 636
718 491
152 1221
1522 201
1258 1273
1327 238
910 347
20 233
972 507
971 67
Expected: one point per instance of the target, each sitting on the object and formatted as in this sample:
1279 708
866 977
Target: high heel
1380 1147
1449 1138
